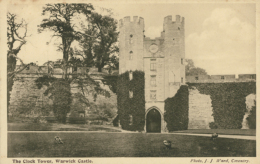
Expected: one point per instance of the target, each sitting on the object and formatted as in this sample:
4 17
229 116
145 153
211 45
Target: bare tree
16 34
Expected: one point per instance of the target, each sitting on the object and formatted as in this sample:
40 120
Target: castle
161 59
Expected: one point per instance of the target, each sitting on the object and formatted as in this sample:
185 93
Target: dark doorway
153 121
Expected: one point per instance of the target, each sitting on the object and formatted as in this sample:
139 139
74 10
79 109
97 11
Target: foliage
16 35
177 110
61 95
191 70
60 22
101 50
134 106
251 119
228 101
111 81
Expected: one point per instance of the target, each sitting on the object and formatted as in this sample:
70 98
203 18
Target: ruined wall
29 101
200 110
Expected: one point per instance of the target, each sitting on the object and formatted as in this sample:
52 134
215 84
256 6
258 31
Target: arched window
130 119
131 94
131 39
131 55
130 75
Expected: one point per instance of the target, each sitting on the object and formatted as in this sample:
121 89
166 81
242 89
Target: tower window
131 39
182 80
130 119
222 77
131 94
153 94
130 75
153 67
153 80
196 78
181 60
131 55
179 28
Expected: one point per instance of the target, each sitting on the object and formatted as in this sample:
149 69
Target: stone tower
162 60
131 40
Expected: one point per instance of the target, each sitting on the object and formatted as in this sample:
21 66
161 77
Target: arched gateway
153 121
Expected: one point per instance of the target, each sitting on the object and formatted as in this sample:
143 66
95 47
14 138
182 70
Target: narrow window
153 66
131 39
130 119
131 55
181 60
153 94
182 80
222 77
178 28
196 78
131 94
153 80
130 75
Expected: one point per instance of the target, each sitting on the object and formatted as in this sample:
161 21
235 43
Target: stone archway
153 121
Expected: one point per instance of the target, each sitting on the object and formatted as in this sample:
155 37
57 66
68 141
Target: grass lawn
247 132
59 127
92 144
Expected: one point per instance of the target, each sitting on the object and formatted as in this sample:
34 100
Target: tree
191 70
16 35
100 51
60 21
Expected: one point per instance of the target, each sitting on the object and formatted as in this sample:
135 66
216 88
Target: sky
219 37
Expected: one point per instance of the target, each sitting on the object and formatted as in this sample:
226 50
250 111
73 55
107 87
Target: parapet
168 19
127 19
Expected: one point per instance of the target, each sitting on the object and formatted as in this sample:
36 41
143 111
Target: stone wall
200 110
29 101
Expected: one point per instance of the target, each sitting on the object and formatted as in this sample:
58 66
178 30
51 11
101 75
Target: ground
121 144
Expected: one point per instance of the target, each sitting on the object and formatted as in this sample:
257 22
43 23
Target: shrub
177 110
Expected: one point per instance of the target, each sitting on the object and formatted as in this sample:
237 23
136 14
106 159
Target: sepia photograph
86 80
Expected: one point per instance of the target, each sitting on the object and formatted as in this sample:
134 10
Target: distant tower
131 39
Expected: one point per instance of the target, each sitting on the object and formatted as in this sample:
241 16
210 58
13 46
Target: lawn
99 144
247 132
59 127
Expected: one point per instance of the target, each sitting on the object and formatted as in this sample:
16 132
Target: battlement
127 19
221 78
168 19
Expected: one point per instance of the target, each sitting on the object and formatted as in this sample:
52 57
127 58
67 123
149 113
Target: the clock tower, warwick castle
161 59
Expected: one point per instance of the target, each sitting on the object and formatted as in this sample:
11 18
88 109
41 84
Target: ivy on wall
131 111
251 119
228 102
177 110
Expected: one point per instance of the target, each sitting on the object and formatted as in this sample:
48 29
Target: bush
177 110
131 106
62 99
212 125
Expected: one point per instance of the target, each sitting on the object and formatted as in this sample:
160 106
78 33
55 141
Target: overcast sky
219 37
